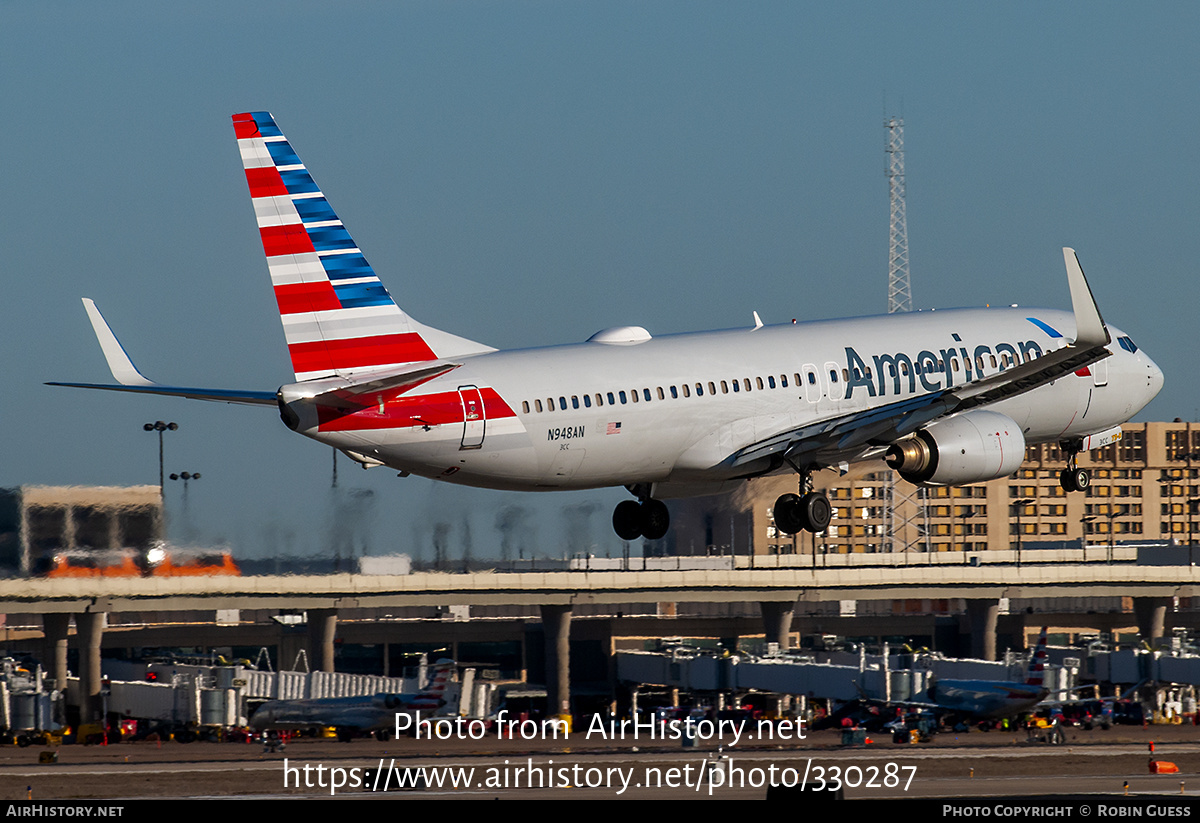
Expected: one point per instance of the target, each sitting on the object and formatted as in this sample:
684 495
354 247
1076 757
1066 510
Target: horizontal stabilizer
349 395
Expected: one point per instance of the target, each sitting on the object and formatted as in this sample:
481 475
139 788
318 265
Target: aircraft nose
1154 379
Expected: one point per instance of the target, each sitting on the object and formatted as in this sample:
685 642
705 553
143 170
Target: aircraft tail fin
338 319
1037 663
436 689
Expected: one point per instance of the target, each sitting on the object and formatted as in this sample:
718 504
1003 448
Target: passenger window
783 380
846 375
674 393
525 406
622 396
685 390
646 394
634 393
574 402
699 390
954 363
537 404
833 375
712 388
587 401
599 399
613 402
550 403
771 380
562 403
757 380
979 362
992 357
736 386
661 396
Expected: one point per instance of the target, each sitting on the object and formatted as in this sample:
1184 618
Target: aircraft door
474 418
831 385
1100 373
812 385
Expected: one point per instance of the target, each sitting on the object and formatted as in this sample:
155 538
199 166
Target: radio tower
909 527
899 290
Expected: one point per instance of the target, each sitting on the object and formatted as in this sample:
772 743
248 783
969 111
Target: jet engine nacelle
972 447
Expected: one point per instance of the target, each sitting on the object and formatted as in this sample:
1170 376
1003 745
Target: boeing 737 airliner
944 398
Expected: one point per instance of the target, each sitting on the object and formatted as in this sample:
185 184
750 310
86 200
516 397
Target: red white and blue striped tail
1037 664
337 316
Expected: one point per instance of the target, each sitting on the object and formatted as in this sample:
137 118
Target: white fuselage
666 411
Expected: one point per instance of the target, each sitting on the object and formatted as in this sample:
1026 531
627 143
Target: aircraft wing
344 394
849 434
131 380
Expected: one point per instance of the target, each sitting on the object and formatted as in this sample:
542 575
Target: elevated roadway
566 588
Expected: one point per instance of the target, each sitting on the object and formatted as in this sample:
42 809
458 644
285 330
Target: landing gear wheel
627 520
816 510
787 514
1075 480
656 519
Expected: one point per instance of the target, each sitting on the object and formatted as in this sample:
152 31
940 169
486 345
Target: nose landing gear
1073 478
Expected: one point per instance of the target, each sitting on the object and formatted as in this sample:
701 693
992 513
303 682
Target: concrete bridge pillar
556 626
55 626
322 628
777 622
89 631
1151 614
983 616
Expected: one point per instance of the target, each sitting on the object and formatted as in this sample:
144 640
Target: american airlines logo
928 367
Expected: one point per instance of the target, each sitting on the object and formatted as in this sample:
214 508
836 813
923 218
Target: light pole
187 514
1085 521
1019 509
160 427
963 513
185 477
1112 513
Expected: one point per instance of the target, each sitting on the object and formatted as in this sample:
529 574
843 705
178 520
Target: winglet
122 368
1089 326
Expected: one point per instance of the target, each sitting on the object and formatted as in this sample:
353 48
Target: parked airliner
944 398
355 715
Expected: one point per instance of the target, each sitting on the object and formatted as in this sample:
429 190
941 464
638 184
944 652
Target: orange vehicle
158 561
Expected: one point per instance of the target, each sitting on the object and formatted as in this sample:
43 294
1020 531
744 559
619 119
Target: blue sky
525 173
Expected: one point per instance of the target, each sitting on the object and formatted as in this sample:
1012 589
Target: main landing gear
807 511
1073 478
646 518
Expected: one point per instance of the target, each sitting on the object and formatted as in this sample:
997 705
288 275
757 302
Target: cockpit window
1127 344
